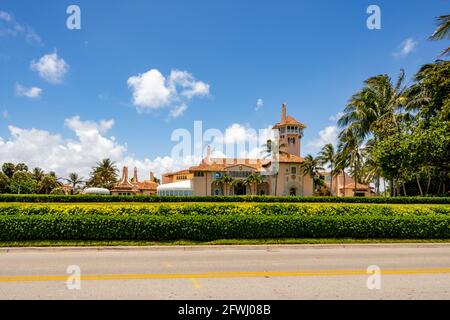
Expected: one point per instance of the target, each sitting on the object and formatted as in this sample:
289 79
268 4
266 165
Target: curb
271 247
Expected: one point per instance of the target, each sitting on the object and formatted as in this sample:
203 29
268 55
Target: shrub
222 221
146 198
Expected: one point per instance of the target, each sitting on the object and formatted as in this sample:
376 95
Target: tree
274 151
4 183
350 147
38 174
253 180
58 191
311 166
327 156
104 174
47 184
21 167
9 169
225 181
442 31
74 180
22 183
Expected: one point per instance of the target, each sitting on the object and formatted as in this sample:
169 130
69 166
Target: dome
96 191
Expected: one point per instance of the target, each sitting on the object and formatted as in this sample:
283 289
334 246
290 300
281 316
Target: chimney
283 112
135 177
125 174
152 177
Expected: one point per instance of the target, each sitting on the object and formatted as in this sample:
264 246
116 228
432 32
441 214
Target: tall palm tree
38 174
74 180
104 174
274 153
225 181
47 184
350 146
442 31
372 111
253 180
341 163
311 166
327 155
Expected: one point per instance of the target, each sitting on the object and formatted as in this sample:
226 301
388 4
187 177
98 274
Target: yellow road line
217 275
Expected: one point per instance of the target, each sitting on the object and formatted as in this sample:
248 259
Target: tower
290 133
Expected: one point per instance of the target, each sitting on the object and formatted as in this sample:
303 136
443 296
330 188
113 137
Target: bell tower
290 132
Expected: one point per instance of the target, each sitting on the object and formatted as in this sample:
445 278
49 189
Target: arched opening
240 189
292 192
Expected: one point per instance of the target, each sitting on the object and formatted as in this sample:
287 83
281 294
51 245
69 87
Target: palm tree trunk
343 173
331 180
429 181
418 184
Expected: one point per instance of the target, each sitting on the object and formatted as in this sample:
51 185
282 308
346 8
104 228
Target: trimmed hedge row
103 198
205 222
207 228
219 209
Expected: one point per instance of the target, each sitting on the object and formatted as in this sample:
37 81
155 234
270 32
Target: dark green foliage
102 198
204 222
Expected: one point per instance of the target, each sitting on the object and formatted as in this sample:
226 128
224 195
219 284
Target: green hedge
206 228
197 222
217 209
103 198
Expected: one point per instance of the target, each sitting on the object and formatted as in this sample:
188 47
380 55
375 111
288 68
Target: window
199 174
291 140
293 170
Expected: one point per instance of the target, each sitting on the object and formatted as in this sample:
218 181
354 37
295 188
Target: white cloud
10 27
259 104
336 117
151 90
178 111
52 151
5 16
406 47
51 68
241 141
326 136
32 93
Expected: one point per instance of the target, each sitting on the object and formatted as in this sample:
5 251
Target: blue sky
313 55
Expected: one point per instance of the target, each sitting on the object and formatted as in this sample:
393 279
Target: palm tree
442 31
74 180
327 155
311 166
225 181
372 111
341 163
270 152
38 174
47 184
253 180
104 175
350 146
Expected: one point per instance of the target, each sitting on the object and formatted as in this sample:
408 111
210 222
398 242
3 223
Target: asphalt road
249 272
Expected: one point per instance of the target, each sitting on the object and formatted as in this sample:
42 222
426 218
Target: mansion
280 177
